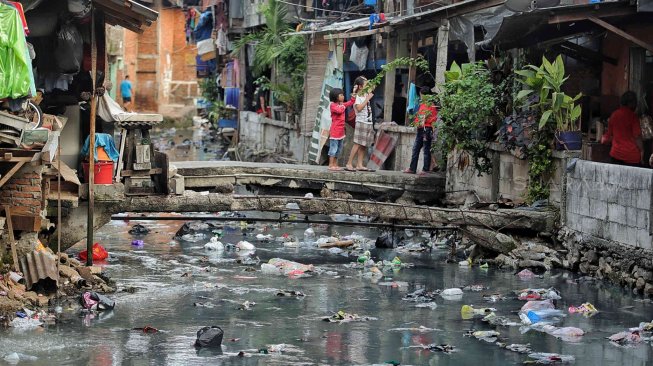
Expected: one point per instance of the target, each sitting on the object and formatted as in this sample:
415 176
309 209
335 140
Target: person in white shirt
364 130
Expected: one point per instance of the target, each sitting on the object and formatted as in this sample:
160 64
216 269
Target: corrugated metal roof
127 13
40 266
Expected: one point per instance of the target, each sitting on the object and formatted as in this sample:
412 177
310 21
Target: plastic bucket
103 172
569 140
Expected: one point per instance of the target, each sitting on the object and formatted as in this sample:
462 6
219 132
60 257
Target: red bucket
103 172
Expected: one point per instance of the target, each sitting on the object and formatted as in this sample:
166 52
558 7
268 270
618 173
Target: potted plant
543 86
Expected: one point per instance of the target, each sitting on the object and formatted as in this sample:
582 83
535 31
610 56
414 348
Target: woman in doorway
364 130
624 133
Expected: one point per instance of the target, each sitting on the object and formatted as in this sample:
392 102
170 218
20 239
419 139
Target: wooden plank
131 173
577 16
11 172
621 33
123 139
12 241
354 34
50 149
389 88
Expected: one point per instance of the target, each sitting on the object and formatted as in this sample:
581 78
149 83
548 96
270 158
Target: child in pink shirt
337 131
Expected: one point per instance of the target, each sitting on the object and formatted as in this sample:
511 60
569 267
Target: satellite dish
520 6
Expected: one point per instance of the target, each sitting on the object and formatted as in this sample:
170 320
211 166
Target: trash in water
137 243
247 305
429 305
544 315
146 329
93 301
193 238
214 244
245 246
292 206
550 358
452 294
204 305
394 284
444 348
568 334
342 317
421 295
496 320
420 329
526 274
139 229
587 309
468 311
465 263
309 234
516 347
25 323
537 305
489 336
290 293
475 288
308 195
494 297
538 294
209 337
264 238
98 253
280 266
14 358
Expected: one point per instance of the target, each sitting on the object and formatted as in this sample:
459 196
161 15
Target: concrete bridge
387 196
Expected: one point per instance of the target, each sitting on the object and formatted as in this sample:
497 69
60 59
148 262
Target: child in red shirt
337 131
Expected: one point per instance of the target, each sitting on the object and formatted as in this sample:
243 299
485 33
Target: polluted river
359 305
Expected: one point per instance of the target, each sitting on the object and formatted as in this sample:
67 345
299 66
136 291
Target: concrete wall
400 158
509 177
23 193
258 133
610 202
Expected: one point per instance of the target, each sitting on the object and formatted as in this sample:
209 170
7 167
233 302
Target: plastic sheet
15 76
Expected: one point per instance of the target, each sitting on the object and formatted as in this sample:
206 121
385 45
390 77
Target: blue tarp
102 140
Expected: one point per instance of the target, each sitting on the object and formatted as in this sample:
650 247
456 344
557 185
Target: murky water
165 300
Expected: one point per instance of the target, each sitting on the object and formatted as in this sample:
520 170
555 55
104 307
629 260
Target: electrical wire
436 2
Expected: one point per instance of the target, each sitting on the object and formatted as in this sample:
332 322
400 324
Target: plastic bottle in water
536 316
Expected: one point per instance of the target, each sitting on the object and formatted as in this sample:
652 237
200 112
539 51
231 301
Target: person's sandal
408 171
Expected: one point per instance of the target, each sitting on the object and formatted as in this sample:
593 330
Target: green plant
209 88
419 63
280 51
218 110
467 104
545 82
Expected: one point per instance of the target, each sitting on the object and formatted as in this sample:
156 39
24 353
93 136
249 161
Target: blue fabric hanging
232 97
413 99
102 140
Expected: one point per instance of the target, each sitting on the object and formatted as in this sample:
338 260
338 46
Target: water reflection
165 299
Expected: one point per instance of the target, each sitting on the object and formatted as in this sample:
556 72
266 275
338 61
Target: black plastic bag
69 52
209 337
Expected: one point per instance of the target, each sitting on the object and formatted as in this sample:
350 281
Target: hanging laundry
16 79
204 27
21 12
358 55
413 99
221 42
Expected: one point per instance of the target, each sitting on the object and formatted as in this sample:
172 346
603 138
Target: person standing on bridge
424 121
364 130
337 131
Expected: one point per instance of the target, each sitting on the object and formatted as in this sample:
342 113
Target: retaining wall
259 132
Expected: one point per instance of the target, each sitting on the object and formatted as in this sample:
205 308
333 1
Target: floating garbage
489 336
468 311
496 320
422 295
214 244
537 316
420 329
93 301
264 238
247 305
278 266
452 294
516 347
137 243
309 234
210 337
25 323
335 250
15 357
538 294
475 288
428 305
587 309
537 305
139 229
342 317
626 338
444 348
245 246
569 334
550 358
98 253
494 297
526 274
193 238
290 293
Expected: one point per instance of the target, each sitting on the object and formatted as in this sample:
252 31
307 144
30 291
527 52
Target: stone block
602 174
598 209
584 206
643 239
631 216
625 197
642 219
591 226
643 200
617 213
574 221
505 170
615 174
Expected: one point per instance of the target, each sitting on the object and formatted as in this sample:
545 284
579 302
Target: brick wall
610 202
23 193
